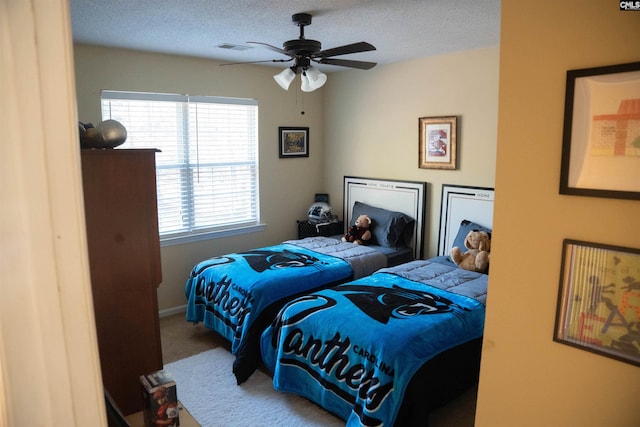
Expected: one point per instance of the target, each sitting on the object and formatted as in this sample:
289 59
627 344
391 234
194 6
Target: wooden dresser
124 255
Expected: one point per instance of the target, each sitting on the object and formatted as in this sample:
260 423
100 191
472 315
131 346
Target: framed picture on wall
601 135
437 142
294 141
598 306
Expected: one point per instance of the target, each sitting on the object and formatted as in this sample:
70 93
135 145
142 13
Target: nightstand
307 229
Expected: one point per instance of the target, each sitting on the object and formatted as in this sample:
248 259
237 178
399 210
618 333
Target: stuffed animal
476 258
359 233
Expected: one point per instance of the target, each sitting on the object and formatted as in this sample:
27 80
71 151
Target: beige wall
526 378
371 117
372 123
287 186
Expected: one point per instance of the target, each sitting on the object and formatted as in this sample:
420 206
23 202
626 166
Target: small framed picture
294 142
437 142
601 135
598 306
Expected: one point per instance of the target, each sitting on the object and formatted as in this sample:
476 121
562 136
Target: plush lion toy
359 233
476 258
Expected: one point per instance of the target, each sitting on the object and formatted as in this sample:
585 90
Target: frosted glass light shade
313 79
284 78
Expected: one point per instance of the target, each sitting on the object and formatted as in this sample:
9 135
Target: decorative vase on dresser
124 256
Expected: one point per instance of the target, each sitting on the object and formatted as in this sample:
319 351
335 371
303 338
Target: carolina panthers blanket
227 293
354 348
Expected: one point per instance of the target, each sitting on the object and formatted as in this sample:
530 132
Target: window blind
207 167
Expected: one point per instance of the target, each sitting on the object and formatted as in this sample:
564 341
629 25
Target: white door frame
49 361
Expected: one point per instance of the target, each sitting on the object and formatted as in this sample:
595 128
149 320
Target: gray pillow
388 228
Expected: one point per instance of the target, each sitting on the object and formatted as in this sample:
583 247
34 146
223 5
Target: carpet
207 388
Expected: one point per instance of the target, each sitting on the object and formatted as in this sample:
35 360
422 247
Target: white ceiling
399 29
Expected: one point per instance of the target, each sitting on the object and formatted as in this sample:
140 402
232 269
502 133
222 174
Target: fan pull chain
300 95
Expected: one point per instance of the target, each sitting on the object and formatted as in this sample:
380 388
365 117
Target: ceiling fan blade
257 62
273 48
346 49
362 65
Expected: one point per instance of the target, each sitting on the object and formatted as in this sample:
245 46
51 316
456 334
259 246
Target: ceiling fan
305 51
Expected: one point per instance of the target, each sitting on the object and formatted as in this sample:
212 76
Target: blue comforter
353 348
227 293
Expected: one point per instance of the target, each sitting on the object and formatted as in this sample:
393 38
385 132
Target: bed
237 295
389 348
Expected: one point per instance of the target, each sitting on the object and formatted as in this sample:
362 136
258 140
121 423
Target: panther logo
382 304
261 260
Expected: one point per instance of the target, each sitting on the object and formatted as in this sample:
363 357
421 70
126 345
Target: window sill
170 241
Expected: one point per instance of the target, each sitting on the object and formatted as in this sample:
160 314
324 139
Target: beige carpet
181 340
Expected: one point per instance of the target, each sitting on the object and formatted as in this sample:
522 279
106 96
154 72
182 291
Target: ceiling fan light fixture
318 77
284 78
306 86
312 79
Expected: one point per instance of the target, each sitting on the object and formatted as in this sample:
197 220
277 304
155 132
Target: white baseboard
171 311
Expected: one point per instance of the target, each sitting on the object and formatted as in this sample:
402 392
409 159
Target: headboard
461 202
408 197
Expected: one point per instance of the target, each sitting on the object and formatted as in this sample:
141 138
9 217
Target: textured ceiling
399 29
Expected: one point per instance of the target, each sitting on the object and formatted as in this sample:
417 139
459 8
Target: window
207 167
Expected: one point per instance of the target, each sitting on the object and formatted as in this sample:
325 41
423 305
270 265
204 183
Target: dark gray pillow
388 228
465 227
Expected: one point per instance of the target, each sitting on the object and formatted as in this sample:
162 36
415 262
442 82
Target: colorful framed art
598 306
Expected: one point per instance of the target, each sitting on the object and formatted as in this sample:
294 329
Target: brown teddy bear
476 258
359 233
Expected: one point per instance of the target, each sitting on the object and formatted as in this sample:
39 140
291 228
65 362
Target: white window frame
184 137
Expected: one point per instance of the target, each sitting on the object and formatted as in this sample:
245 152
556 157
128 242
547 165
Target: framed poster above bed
459 202
437 146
